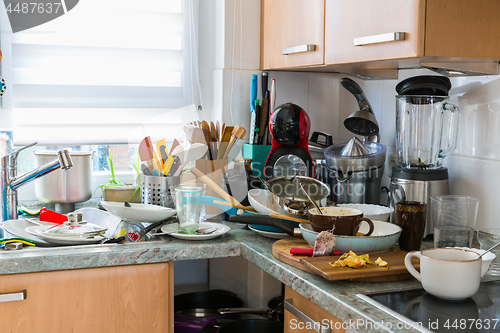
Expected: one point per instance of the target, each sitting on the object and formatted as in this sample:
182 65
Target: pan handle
263 220
265 313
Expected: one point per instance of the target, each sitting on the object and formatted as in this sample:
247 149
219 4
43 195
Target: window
106 72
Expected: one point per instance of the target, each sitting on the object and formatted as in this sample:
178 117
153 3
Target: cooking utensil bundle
218 138
261 111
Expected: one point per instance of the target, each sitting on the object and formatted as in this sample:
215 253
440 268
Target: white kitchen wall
475 164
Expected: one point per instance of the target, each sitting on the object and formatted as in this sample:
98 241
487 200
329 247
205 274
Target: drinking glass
488 237
188 205
454 220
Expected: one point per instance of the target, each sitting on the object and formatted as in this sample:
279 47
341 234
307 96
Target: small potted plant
117 191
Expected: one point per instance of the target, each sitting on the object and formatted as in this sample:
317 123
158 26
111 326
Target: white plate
269 234
17 228
38 231
222 229
259 200
138 212
372 212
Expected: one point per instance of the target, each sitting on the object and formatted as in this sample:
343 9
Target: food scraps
352 260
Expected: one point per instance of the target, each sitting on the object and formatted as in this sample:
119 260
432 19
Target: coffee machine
289 126
426 132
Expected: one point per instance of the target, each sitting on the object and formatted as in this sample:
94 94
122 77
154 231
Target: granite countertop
337 297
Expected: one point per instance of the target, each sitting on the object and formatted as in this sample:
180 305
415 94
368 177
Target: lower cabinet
136 298
308 316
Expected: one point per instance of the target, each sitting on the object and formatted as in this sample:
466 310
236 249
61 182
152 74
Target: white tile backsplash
475 164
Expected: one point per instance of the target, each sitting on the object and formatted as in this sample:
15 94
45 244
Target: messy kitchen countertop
337 297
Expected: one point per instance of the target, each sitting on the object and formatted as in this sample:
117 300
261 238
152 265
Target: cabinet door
290 26
293 324
374 27
136 298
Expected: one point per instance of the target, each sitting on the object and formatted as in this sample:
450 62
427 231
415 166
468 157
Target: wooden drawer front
291 23
313 311
346 21
135 298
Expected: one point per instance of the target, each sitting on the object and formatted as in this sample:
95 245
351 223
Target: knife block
214 169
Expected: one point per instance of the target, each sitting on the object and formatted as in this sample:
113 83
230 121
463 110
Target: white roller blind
106 72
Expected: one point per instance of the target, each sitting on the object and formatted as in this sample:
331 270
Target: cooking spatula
224 141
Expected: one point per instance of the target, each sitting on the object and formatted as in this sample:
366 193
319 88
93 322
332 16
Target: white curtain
106 72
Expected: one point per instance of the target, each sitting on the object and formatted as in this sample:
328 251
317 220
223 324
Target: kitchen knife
257 133
253 96
272 104
264 110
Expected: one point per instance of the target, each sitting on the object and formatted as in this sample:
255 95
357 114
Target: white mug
449 273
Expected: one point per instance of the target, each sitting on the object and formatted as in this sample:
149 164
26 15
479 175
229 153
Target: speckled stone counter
338 298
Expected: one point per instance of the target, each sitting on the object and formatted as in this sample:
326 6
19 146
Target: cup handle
409 265
370 224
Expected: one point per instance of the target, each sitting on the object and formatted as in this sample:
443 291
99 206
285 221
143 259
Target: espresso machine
426 132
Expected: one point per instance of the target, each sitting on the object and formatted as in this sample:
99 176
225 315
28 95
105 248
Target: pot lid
355 155
433 85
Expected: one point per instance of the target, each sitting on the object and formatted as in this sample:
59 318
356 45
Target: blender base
418 185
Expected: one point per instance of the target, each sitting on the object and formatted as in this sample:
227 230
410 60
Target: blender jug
426 130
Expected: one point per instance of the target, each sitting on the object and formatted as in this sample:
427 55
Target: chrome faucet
9 182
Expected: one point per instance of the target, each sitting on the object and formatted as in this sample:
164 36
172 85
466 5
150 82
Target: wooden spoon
237 134
224 141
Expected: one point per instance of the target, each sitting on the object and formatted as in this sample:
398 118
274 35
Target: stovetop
479 313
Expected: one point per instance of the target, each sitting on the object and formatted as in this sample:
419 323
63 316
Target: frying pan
266 220
196 312
253 326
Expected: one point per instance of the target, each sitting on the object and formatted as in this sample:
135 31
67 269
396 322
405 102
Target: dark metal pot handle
266 313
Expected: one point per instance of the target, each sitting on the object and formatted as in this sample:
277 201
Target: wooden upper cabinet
438 30
292 25
367 30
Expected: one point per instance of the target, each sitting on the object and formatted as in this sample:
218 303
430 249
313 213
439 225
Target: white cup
450 273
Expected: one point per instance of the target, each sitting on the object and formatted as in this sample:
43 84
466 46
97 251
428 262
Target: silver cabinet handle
389 37
298 49
304 318
13 296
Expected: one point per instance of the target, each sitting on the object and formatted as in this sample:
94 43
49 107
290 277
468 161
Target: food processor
426 132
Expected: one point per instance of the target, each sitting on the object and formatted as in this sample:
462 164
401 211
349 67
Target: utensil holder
153 186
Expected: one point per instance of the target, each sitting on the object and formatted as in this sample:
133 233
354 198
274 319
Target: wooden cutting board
321 265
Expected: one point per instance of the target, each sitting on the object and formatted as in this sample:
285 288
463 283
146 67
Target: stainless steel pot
65 187
288 198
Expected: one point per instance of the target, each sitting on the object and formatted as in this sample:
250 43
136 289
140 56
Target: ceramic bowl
138 212
384 236
259 201
372 212
486 259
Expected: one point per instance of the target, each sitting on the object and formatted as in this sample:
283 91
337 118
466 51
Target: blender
426 132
